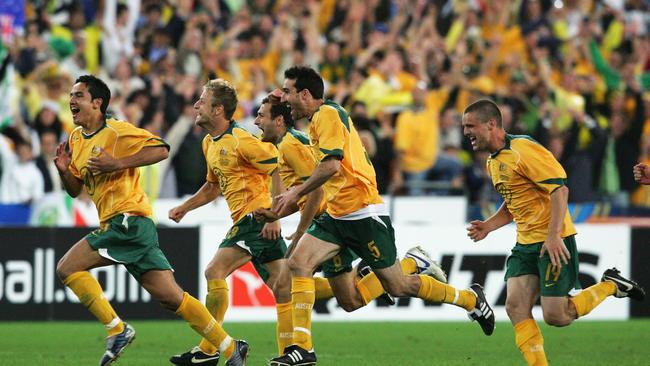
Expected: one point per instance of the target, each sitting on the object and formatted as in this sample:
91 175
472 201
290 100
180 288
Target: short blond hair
224 94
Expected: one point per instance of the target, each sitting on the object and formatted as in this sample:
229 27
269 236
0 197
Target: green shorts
371 238
339 264
247 234
131 241
525 260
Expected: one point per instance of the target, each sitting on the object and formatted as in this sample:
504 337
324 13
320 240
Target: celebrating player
544 260
239 166
102 156
356 218
295 164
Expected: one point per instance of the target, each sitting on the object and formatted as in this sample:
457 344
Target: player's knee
213 273
62 270
349 305
556 319
297 266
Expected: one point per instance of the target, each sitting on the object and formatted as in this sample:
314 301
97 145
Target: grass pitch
337 344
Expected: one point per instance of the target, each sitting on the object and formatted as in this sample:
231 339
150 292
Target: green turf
337 344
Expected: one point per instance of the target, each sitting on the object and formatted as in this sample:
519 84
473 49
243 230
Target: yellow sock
90 294
370 288
589 298
202 322
302 301
217 303
530 342
284 328
408 266
323 289
436 291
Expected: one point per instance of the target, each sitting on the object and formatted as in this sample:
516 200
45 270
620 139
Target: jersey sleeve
134 139
300 159
331 130
540 166
209 176
262 155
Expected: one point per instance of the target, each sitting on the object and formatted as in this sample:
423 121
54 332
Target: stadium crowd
574 75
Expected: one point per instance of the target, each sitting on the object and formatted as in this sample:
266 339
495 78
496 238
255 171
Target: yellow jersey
354 186
241 164
120 191
296 163
416 137
525 174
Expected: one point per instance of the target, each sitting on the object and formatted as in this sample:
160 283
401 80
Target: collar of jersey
94 133
233 124
506 146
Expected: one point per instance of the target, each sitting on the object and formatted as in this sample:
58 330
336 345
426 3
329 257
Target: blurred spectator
45 161
21 182
419 154
568 73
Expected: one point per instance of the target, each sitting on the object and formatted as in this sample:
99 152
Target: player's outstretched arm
62 161
478 230
207 193
106 163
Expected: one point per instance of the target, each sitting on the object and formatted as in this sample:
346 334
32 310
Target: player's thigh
523 292
309 253
162 286
80 257
226 261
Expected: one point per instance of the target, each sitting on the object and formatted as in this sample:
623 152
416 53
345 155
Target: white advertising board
600 247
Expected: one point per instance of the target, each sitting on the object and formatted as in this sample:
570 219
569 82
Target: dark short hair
306 78
280 109
485 110
97 89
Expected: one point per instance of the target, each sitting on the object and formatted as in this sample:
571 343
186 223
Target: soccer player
356 218
544 261
102 156
295 164
239 166
642 173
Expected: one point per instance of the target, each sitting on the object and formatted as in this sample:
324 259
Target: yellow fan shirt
120 191
354 186
296 163
241 164
525 174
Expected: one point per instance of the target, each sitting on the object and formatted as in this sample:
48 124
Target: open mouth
75 110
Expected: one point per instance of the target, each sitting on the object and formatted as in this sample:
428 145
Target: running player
356 218
239 167
544 261
102 156
295 164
